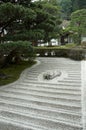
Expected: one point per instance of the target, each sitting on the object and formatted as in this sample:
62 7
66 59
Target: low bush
74 53
14 52
83 44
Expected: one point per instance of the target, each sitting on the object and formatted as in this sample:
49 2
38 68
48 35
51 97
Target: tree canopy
66 6
20 18
69 6
78 4
32 21
78 23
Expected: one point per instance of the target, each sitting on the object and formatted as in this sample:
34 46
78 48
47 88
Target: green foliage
83 44
78 18
69 6
14 18
77 54
30 35
82 4
19 46
75 5
72 52
14 52
78 4
48 18
33 23
78 24
22 2
13 72
10 12
36 34
66 8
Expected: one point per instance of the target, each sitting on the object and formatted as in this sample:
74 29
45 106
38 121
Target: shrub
74 53
83 44
13 51
61 52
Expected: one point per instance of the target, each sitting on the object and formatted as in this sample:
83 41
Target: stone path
34 104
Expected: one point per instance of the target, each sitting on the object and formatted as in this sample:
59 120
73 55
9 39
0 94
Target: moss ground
14 72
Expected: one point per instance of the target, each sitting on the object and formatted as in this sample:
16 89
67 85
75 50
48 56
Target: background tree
69 6
66 6
78 24
51 24
78 4
38 18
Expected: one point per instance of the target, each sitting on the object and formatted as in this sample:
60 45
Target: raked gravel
32 103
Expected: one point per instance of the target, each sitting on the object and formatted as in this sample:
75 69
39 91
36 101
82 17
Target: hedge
76 54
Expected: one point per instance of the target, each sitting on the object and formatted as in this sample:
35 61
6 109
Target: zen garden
42 64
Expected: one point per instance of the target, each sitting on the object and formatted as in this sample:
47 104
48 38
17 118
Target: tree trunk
62 40
79 38
12 58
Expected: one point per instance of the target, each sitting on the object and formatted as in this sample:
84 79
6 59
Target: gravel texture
32 103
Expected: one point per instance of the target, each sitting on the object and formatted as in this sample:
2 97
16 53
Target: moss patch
13 72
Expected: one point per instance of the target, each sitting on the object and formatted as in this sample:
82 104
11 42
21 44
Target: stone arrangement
30 104
49 75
